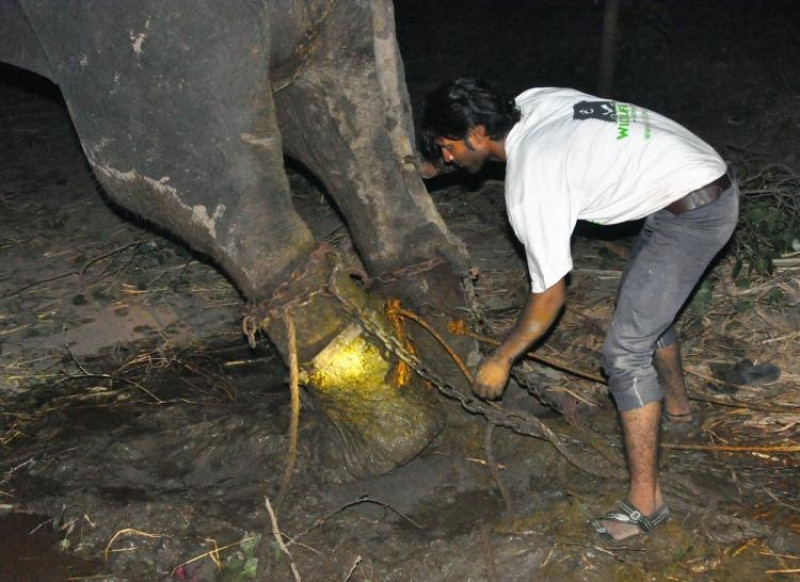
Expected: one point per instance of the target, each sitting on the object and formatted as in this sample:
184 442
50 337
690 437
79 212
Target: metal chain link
415 269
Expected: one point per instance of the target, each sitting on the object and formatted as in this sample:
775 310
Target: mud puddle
35 554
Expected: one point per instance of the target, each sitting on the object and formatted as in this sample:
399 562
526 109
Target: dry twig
487 445
126 531
276 532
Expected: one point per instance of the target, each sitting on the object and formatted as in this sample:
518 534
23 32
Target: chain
258 316
414 269
519 422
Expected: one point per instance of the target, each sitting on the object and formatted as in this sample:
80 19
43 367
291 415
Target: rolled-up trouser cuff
667 338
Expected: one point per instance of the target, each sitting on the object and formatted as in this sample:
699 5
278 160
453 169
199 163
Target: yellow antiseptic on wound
376 425
402 373
349 364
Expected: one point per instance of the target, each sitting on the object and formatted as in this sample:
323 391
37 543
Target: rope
396 309
294 423
459 327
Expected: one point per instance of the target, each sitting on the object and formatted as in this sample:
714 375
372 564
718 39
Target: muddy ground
143 440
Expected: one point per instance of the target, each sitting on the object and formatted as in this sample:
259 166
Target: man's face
469 155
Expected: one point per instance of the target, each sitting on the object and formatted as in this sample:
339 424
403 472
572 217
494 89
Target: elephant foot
369 424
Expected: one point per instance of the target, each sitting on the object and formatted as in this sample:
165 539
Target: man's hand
492 377
428 169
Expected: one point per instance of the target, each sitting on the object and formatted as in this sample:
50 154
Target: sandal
627 513
744 373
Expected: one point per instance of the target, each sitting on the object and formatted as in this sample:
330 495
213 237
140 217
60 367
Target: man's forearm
539 313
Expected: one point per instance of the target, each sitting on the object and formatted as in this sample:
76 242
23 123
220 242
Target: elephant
187 112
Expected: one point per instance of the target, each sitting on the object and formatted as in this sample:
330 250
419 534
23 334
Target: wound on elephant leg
304 292
435 291
402 371
378 426
397 315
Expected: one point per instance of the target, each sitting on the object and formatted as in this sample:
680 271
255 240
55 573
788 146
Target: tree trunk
608 49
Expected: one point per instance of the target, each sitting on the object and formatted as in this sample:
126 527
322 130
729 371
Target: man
572 156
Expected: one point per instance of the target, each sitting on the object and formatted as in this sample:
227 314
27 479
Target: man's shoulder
541 106
539 131
544 92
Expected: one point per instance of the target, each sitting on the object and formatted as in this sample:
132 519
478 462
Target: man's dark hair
459 105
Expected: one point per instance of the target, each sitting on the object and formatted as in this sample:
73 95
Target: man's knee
632 379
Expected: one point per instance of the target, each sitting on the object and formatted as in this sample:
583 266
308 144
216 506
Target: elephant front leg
346 116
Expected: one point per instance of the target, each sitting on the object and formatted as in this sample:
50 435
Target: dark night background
727 69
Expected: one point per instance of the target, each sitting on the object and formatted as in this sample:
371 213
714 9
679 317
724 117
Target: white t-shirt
575 156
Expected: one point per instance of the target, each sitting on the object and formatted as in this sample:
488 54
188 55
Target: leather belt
701 196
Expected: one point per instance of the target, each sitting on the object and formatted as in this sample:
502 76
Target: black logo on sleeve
602 110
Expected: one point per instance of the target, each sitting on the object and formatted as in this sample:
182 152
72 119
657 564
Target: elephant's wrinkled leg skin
371 426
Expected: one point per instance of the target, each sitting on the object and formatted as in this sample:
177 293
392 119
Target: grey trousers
669 258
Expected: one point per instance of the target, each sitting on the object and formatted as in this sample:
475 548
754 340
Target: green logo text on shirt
627 115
